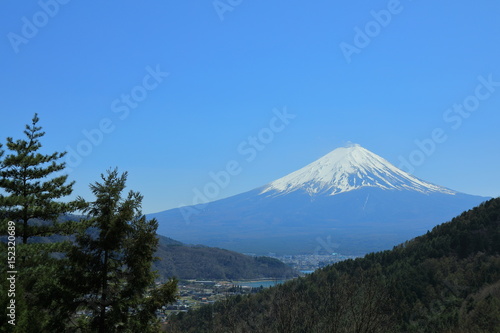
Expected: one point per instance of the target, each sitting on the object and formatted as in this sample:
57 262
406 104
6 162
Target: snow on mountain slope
346 169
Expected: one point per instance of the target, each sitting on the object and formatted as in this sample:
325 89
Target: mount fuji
350 201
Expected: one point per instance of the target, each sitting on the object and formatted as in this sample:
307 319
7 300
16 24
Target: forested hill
445 281
201 262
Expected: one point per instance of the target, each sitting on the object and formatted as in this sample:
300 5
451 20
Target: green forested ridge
201 262
445 281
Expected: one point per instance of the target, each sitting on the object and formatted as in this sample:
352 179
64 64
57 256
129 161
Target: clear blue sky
379 73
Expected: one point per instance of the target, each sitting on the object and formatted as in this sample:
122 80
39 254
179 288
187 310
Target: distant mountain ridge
354 197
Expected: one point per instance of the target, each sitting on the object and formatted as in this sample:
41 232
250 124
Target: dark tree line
99 277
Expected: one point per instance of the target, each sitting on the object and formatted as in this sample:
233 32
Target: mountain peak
349 168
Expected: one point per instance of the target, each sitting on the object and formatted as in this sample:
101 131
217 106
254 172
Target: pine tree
29 180
110 265
30 188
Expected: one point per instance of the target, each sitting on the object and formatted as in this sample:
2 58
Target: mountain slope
354 197
447 280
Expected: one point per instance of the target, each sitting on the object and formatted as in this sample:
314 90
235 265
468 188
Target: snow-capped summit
346 169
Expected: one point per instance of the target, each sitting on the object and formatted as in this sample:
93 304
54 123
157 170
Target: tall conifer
31 193
110 265
31 186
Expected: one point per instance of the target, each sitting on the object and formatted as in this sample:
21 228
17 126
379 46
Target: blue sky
178 92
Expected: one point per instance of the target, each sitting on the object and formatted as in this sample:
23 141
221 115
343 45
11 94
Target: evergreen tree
29 191
110 265
31 187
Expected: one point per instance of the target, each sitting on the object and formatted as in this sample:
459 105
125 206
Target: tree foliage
32 189
110 272
31 185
